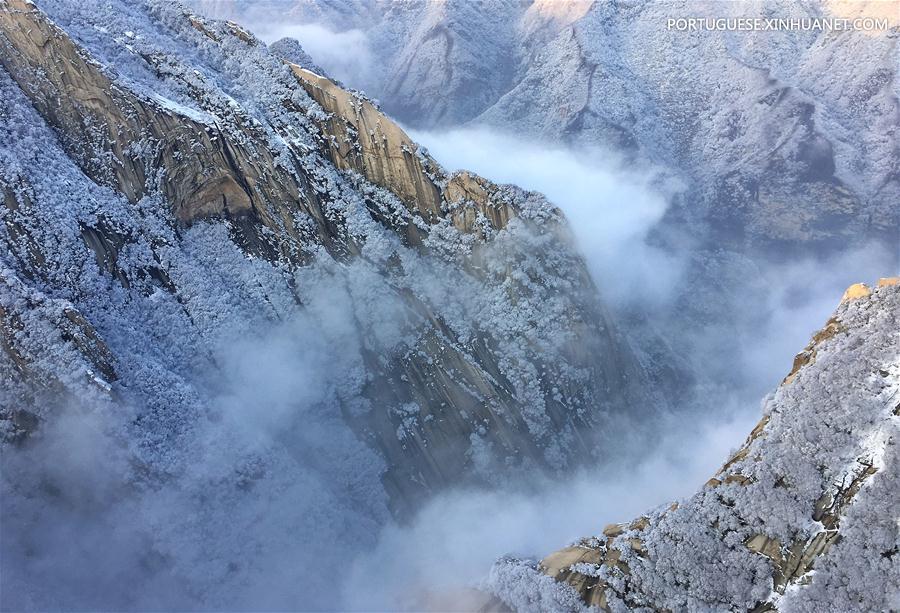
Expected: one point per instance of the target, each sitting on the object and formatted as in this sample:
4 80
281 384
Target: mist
271 501
268 500
612 206
272 504
447 550
254 506
345 54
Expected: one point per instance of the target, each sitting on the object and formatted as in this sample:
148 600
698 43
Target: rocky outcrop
800 517
359 137
491 357
139 144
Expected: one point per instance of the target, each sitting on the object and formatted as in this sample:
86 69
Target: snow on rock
803 517
173 207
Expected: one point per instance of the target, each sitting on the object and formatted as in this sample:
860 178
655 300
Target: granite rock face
492 348
361 138
787 138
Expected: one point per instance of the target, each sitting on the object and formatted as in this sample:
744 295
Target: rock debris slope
172 191
803 517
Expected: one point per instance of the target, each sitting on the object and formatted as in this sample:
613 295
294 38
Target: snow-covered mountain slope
785 142
196 234
788 137
803 517
438 63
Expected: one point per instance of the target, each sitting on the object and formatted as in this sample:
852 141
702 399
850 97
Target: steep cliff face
784 142
359 137
803 517
172 189
783 137
122 141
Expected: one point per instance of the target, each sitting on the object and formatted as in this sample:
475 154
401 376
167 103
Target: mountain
786 136
227 282
802 517
784 141
247 324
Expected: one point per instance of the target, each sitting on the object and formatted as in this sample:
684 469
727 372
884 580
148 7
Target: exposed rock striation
200 187
359 137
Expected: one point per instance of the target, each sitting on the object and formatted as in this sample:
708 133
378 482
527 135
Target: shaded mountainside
172 190
803 517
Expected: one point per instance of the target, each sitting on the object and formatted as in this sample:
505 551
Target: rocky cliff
361 138
802 517
171 187
784 141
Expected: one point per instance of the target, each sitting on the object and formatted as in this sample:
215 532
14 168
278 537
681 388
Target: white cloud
344 55
451 544
610 207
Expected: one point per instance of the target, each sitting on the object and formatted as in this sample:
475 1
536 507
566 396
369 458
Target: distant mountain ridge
788 137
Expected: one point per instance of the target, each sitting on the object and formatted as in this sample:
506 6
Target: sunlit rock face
361 138
786 137
358 137
176 197
803 517
783 142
